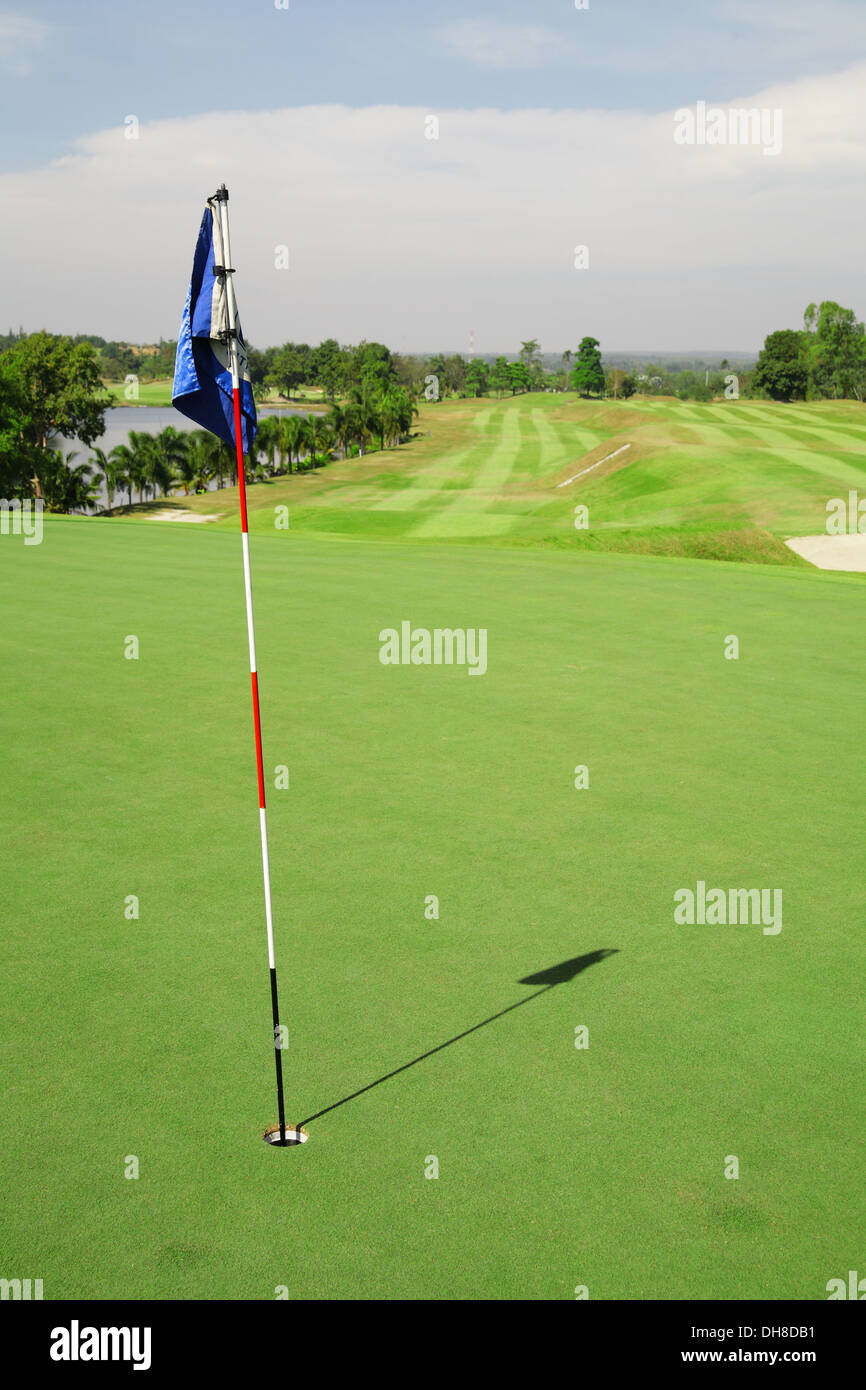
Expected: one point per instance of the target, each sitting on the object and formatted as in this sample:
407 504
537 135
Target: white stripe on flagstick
263 822
594 465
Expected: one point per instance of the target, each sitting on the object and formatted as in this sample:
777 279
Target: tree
291 438
781 371
372 367
476 377
613 381
200 458
529 352
588 374
268 440
68 488
410 373
628 385
309 439
436 367
835 350
519 377
396 412
455 374
326 366
338 419
60 390
138 464
325 439
365 417
112 472
500 376
122 457
185 470
288 368
19 457
166 457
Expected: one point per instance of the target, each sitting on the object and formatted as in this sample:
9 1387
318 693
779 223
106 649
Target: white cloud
501 45
18 31
417 242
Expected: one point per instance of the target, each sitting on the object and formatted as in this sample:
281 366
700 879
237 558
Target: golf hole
294 1135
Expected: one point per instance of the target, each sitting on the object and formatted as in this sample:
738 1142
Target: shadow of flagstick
548 979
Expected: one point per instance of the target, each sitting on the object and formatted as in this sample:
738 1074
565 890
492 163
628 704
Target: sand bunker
832 552
183 516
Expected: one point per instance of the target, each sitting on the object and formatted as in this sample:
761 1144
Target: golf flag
202 370
212 386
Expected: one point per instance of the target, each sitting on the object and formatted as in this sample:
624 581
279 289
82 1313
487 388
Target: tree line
50 387
826 359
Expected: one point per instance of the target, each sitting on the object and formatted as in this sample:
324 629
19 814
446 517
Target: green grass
726 480
557 1167
159 393
149 393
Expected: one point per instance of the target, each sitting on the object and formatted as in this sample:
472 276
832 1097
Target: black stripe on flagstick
278 1055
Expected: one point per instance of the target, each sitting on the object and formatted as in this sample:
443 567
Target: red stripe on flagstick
257 723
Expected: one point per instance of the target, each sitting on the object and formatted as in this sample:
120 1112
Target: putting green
131 1038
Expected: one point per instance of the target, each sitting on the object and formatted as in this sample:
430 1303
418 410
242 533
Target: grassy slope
724 480
557 1167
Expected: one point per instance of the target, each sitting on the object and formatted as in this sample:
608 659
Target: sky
427 172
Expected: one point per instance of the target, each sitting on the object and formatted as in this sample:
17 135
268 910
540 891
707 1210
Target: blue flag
202 370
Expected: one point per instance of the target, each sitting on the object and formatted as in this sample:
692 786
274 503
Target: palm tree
307 442
407 410
71 488
111 472
326 439
228 460
185 471
392 418
310 435
199 455
338 420
83 490
291 437
167 452
139 467
365 416
349 428
367 422
268 440
211 453
123 460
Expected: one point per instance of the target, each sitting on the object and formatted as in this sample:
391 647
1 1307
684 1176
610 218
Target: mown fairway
726 480
557 1167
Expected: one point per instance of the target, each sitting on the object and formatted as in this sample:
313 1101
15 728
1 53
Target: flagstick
223 199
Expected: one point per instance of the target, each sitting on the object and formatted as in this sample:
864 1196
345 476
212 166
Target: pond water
119 420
